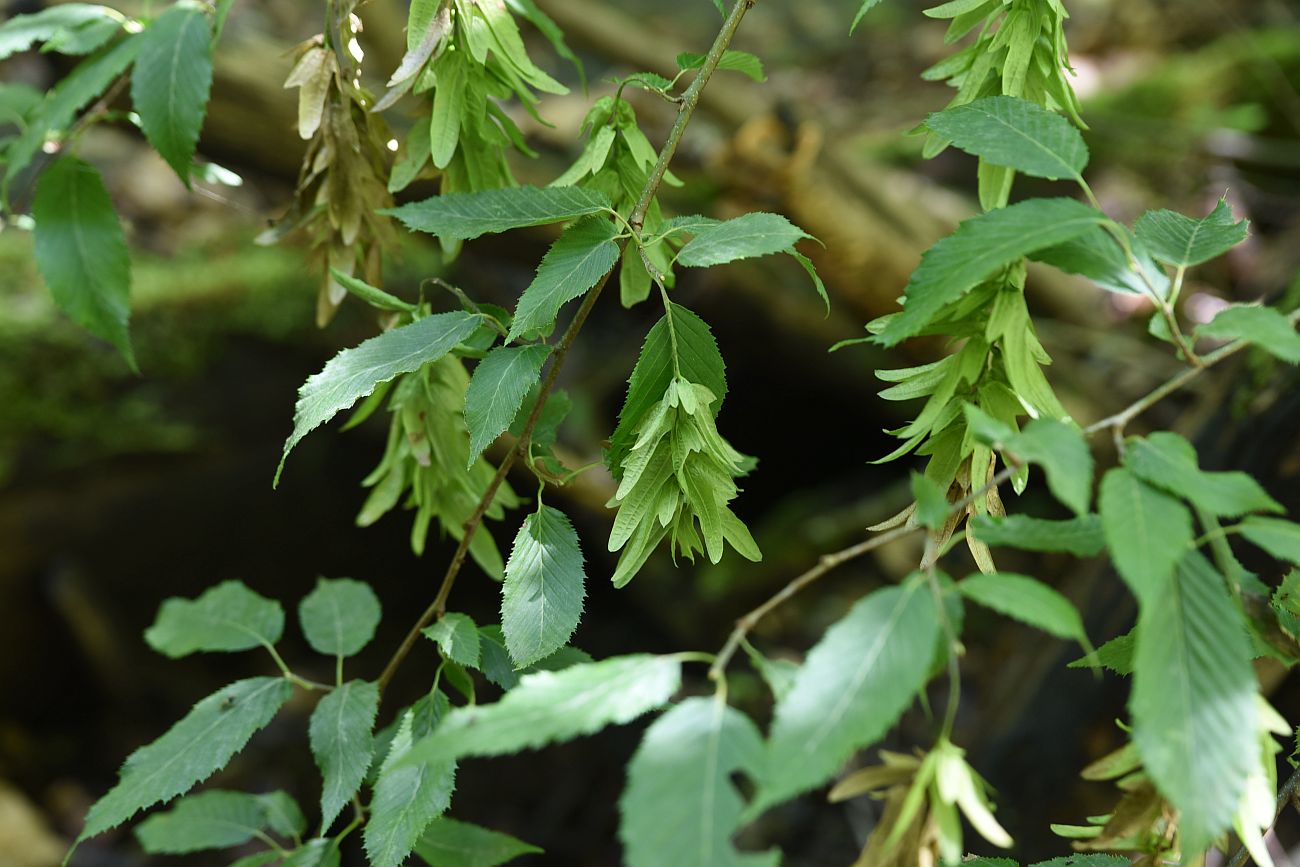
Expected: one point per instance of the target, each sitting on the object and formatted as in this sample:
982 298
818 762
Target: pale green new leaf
355 373
541 601
462 216
457 637
191 751
584 253
1081 536
342 743
81 252
1263 326
854 685
1195 701
932 505
680 805
1276 536
551 706
979 248
1028 601
1016 133
369 294
1168 461
172 79
1060 449
497 390
862 10
1182 241
407 797
747 236
56 24
449 843
227 617
339 616
1146 530
214 819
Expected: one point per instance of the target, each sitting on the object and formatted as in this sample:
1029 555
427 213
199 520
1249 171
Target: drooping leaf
172 79
339 616
1016 133
583 254
739 61
457 637
497 390
551 706
449 843
1028 601
1096 255
862 10
463 216
58 24
980 246
81 252
371 295
932 504
1276 536
342 743
545 585
191 751
354 373
1263 326
214 819
1182 241
1147 532
1116 654
680 805
1194 700
854 685
1081 536
1060 449
744 237
407 797
227 617
1168 461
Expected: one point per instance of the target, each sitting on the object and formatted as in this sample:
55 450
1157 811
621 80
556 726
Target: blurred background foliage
117 491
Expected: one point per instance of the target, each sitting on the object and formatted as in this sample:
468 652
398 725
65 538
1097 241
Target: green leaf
1276 536
191 751
1090 860
1147 532
584 253
1116 654
369 294
449 843
932 506
1028 601
497 390
853 687
407 797
354 373
862 10
1016 133
1182 241
680 806
1263 326
979 248
1060 449
457 637
1096 255
55 25
172 79
339 616
213 819
747 236
1081 536
551 706
679 336
342 743
462 216
283 815
227 617
321 852
81 252
1194 701
738 61
1168 461
541 602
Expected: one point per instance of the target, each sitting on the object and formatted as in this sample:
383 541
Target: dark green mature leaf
81 252
680 806
738 61
173 76
191 751
1194 700
541 602
227 617
932 506
56 24
1147 532
854 685
1060 449
1181 241
214 819
342 743
407 797
1089 860
1028 601
1168 461
1081 536
462 216
697 356
1263 326
1116 654
449 843
283 815
1276 536
979 248
584 253
551 706
1006 131
457 637
339 616
747 236
354 373
497 390
1096 255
